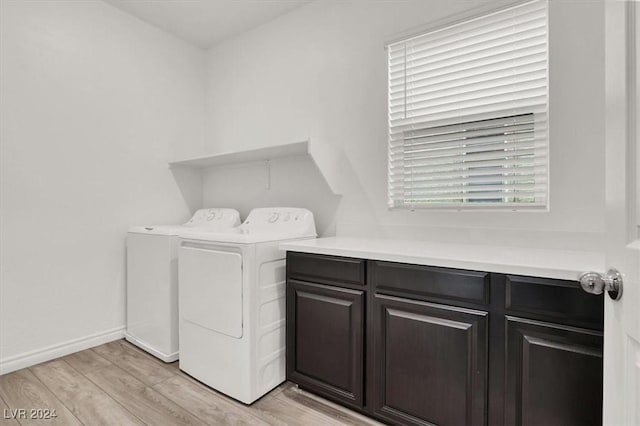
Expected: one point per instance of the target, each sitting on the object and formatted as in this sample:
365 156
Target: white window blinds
468 113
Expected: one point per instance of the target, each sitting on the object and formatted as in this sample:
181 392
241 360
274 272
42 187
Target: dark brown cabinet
421 345
326 340
554 374
429 362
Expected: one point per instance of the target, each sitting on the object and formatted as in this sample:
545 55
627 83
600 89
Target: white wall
244 186
320 71
94 102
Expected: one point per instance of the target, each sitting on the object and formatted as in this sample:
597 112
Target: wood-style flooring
119 384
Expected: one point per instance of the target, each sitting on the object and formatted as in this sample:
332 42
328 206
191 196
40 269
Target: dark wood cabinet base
418 345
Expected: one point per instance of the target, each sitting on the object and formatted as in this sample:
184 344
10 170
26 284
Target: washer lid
159 229
212 219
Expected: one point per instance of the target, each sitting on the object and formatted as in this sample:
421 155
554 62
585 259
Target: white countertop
560 264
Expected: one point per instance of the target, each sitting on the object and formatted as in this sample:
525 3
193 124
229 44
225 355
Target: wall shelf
258 154
327 158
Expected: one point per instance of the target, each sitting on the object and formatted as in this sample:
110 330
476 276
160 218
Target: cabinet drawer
558 301
428 282
326 269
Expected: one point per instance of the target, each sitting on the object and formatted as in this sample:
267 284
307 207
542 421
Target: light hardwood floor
119 384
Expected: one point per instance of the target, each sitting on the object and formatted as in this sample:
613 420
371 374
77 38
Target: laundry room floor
117 383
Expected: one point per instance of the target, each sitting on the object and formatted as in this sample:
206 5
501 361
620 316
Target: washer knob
273 217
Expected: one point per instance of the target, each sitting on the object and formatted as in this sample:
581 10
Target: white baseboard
28 359
150 349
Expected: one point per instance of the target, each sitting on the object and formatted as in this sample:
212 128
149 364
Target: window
468 113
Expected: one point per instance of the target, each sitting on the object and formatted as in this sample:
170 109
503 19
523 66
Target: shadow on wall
189 182
292 182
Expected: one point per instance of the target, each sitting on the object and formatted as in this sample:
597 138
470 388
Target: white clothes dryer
152 280
232 302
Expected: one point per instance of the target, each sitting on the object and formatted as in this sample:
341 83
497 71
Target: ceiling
206 22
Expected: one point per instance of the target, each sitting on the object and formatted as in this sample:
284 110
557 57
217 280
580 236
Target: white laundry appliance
152 280
232 302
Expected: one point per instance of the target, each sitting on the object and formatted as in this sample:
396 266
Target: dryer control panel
280 220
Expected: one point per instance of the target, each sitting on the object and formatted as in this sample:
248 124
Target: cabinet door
429 363
325 331
554 374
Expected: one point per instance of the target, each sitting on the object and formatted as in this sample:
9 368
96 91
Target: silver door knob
595 283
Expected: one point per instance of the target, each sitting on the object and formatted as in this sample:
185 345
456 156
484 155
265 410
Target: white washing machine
152 280
232 302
